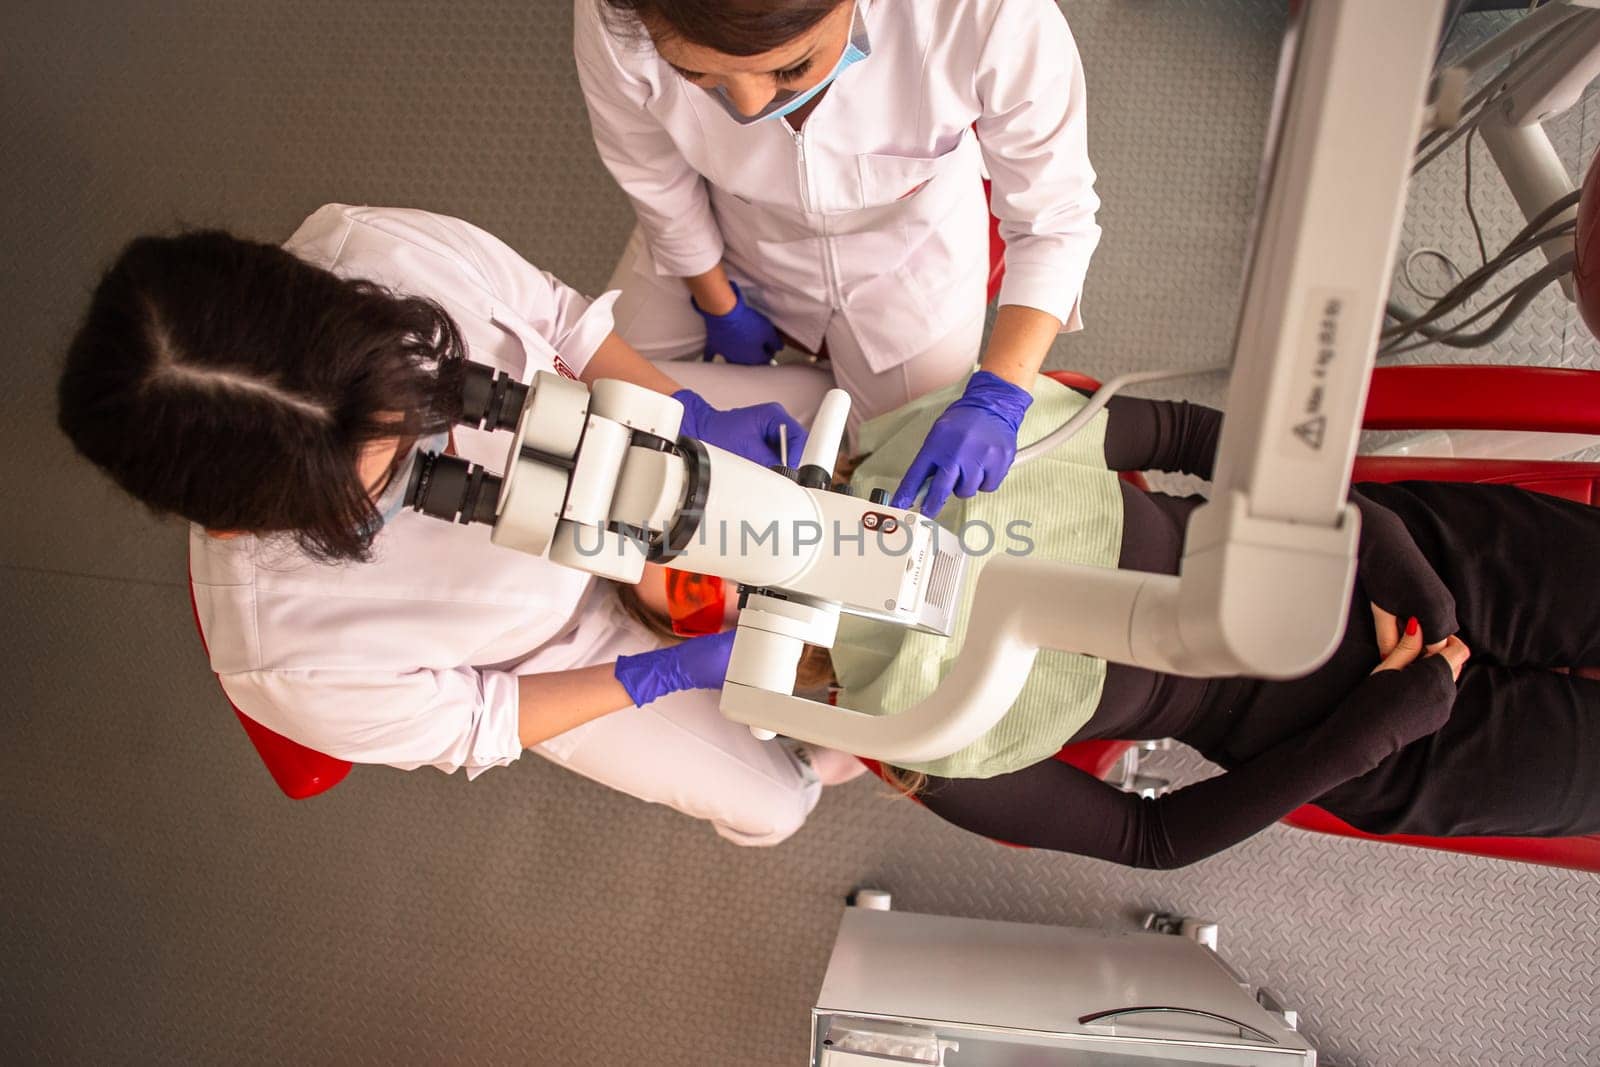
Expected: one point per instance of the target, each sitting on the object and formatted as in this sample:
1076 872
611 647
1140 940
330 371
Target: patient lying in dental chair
1396 733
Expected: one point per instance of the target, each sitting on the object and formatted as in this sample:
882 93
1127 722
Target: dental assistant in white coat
276 398
813 168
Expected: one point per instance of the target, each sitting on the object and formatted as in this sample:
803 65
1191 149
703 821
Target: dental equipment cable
1102 396
1435 332
1463 291
1466 197
1516 300
1440 254
1525 240
1528 239
1408 323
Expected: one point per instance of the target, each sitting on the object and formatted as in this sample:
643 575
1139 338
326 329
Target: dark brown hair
229 383
732 27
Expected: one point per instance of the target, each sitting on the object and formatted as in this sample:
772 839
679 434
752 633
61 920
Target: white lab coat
873 211
380 662
411 659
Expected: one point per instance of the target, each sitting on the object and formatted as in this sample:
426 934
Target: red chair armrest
1578 853
300 771
1095 757
1484 398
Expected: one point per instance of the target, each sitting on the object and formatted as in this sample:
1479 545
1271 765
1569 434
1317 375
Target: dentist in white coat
277 398
813 168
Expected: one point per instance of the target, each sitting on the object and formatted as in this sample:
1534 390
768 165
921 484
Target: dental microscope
599 479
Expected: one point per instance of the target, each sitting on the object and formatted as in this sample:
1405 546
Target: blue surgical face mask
787 100
393 497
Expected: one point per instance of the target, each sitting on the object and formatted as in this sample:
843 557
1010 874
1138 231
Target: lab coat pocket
890 179
887 178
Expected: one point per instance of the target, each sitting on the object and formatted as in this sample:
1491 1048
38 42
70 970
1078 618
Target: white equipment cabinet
905 989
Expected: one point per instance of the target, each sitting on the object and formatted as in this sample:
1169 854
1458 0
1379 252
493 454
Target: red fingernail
1411 627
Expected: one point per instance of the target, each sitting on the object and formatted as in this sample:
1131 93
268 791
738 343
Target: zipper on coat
800 164
830 270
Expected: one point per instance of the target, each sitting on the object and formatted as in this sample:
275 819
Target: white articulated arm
1018 610
1156 621
1511 123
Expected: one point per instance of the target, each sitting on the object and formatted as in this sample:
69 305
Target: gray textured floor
160 903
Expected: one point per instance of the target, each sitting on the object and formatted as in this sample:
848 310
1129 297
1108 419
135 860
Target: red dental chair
1455 397
300 772
1504 398
1440 397
1463 398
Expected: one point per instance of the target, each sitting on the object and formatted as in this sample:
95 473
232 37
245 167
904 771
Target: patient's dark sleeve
1056 806
1161 435
1178 436
1397 576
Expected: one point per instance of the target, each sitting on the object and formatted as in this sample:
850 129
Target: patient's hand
1409 696
1399 650
1388 627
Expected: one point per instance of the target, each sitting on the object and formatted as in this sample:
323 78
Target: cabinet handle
1244 1028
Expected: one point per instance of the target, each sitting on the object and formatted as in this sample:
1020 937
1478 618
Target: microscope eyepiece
491 400
450 488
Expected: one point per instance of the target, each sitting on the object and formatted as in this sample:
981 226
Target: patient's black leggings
1519 755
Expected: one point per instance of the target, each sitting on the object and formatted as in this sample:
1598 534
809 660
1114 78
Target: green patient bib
1067 504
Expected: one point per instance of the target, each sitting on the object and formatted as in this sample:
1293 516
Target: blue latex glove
970 447
743 335
698 663
750 432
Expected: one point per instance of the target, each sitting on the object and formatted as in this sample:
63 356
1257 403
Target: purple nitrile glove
698 663
970 447
743 335
750 432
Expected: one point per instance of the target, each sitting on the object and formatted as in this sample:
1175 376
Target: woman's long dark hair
732 27
228 382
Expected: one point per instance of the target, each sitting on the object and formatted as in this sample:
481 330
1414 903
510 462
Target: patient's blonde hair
634 607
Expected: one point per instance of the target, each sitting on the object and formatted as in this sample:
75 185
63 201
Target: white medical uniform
867 227
411 659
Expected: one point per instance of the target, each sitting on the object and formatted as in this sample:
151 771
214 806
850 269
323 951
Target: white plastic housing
552 422
649 489
636 407
594 478
530 506
1022 605
756 525
598 551
553 415
827 431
